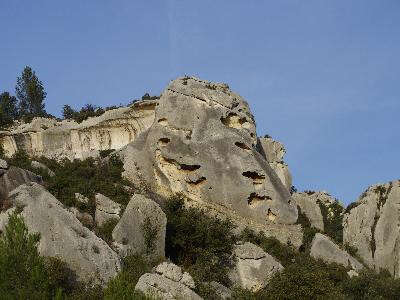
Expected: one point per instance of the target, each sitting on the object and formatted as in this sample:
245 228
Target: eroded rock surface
274 152
68 139
63 236
14 177
141 215
167 283
254 268
322 247
373 227
106 209
203 144
309 206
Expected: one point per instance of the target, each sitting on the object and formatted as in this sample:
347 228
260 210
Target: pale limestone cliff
67 139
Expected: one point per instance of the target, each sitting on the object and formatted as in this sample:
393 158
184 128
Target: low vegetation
201 244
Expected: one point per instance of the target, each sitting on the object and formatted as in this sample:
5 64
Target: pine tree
31 94
8 109
68 112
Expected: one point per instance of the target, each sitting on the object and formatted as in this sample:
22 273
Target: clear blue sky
323 77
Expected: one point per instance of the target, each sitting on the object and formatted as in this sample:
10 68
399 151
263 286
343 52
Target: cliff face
68 139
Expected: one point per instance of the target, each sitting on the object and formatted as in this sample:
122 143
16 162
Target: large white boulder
141 229
310 207
254 268
62 235
167 283
106 210
322 247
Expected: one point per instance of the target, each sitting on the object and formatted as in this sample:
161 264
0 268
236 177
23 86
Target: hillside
177 198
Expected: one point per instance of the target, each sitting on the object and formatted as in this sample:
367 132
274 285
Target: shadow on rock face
203 144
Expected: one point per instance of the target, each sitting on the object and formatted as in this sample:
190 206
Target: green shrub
24 274
198 242
306 278
105 231
371 285
88 177
21 160
150 234
333 219
123 285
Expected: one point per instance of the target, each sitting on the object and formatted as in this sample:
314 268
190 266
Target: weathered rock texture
68 139
373 227
63 236
14 177
106 209
254 268
309 206
141 229
322 247
274 152
202 144
168 283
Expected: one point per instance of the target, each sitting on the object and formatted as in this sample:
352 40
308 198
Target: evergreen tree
8 109
68 112
31 94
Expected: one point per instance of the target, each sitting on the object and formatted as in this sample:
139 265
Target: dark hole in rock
189 167
253 175
242 146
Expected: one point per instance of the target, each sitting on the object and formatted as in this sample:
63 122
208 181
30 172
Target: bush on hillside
123 285
333 219
198 242
24 274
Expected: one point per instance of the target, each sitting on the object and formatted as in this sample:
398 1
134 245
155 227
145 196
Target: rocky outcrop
372 226
167 283
202 144
274 151
309 206
63 236
254 268
68 139
106 210
322 247
13 177
141 229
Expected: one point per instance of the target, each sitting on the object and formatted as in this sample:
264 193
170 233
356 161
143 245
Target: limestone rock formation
372 226
309 206
14 177
274 152
63 236
322 247
106 209
168 283
68 139
141 229
202 144
254 268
